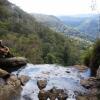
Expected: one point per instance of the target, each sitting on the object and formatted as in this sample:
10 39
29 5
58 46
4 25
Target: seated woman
4 51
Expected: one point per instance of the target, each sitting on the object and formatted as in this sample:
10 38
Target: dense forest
27 37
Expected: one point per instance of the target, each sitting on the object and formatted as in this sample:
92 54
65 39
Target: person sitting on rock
4 51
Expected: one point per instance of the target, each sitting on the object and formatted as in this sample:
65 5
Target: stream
66 78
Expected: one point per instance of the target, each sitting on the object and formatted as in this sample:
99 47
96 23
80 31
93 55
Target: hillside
88 24
26 36
59 25
52 22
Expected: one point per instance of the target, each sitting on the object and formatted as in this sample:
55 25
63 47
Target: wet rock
53 94
43 95
12 64
67 71
23 79
14 81
57 93
4 74
90 82
41 84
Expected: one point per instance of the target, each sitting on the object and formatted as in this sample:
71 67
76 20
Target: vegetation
26 37
58 25
92 58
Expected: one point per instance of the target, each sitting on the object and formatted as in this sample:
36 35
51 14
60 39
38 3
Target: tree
95 58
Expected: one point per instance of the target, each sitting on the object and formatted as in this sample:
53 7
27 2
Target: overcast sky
56 7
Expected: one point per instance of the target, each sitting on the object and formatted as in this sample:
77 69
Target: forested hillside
54 23
58 25
25 36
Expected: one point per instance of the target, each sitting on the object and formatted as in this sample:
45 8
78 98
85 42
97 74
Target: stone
94 89
41 84
90 82
14 81
4 73
57 93
24 79
85 84
52 94
62 96
11 90
67 71
81 98
12 64
43 95
88 97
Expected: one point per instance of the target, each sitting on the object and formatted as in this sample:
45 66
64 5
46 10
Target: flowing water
66 78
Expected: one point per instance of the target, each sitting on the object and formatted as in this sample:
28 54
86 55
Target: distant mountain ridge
87 23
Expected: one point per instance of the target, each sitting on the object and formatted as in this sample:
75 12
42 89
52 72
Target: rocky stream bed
53 82
49 82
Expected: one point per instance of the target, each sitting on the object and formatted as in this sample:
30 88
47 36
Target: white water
56 76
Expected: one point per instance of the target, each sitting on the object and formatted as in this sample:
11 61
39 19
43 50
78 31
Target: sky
56 7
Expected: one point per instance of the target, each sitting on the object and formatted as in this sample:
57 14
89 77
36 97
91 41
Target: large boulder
11 90
90 82
60 94
53 94
13 63
93 85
